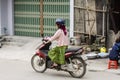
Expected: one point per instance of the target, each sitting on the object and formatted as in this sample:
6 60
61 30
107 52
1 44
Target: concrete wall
6 17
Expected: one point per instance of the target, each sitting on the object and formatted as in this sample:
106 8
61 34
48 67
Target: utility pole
107 25
41 18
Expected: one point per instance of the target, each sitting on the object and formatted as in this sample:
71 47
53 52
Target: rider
61 36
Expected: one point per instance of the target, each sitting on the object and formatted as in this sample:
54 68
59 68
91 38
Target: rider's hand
46 42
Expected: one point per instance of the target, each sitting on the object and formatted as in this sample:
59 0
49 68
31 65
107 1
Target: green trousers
57 54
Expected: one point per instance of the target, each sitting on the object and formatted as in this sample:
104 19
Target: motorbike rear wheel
79 67
38 63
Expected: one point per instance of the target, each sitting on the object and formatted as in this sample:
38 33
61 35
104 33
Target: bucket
103 49
77 40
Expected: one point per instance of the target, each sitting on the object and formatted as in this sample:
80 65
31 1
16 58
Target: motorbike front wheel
79 67
38 63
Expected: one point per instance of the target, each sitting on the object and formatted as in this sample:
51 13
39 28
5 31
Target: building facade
36 17
26 18
23 17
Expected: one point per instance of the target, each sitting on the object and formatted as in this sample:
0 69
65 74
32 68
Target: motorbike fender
39 53
82 57
67 55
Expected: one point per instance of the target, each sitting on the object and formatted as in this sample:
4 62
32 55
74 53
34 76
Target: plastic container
103 49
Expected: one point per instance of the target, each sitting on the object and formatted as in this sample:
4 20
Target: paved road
22 70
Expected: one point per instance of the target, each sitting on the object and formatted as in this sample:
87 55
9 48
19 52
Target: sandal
54 65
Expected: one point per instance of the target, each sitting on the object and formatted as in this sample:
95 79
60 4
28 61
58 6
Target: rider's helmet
60 21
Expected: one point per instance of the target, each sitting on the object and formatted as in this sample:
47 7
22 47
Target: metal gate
27 16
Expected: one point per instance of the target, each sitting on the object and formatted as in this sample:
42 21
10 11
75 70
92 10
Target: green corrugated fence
27 16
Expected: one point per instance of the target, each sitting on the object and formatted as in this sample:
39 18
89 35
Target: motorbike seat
45 52
73 49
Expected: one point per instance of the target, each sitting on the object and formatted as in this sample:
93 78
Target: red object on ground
112 64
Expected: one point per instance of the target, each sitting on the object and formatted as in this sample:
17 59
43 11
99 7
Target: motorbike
75 65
